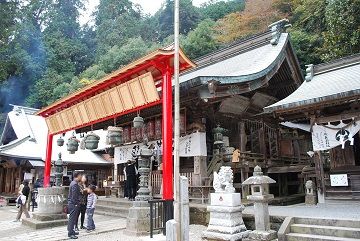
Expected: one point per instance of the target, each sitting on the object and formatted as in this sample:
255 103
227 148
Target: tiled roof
326 85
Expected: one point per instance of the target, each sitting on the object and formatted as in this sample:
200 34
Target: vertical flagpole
177 214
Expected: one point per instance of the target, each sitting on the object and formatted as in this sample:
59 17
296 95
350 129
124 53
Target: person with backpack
21 202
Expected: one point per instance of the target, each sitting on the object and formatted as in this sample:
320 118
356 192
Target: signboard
325 137
339 180
190 145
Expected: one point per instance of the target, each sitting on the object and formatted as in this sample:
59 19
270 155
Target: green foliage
216 10
343 28
189 18
116 22
200 41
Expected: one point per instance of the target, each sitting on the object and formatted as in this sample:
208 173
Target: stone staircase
319 229
117 207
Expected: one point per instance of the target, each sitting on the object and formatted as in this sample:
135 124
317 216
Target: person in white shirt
21 204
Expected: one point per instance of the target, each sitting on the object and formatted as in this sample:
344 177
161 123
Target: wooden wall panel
107 104
84 115
147 83
126 96
116 100
137 92
77 115
99 107
90 110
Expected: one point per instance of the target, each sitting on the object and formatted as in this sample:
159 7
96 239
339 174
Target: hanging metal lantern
60 141
114 136
72 144
138 121
219 135
91 141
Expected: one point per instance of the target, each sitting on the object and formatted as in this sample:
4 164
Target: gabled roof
252 61
246 65
331 82
31 137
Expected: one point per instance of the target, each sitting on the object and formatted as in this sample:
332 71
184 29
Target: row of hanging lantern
114 138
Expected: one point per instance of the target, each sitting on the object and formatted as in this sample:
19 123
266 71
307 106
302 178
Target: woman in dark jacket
83 201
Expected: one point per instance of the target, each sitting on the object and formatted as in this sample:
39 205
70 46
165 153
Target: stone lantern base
138 220
226 222
50 209
257 235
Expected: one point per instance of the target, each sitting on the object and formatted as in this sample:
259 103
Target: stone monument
259 185
50 211
138 220
226 222
310 195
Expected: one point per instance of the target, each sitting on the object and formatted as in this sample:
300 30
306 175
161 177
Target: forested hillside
45 53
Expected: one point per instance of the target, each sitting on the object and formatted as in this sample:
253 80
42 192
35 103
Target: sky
149 6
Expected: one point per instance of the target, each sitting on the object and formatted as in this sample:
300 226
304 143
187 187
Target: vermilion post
167 133
47 168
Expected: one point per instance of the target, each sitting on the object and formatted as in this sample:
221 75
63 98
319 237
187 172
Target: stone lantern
260 195
59 165
138 222
219 135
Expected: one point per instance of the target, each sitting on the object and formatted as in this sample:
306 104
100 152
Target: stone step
341 232
114 202
329 222
311 237
37 224
122 215
116 211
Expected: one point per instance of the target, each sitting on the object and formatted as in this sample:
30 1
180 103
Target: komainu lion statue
223 181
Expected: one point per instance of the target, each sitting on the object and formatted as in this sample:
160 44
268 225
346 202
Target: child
90 208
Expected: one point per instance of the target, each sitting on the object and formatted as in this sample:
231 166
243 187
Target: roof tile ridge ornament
277 29
309 72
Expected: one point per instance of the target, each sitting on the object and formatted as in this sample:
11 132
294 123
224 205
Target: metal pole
177 210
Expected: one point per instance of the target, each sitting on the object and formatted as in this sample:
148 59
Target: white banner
190 145
325 137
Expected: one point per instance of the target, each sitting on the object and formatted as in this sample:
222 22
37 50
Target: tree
119 56
343 29
216 10
201 40
115 22
189 18
8 13
256 17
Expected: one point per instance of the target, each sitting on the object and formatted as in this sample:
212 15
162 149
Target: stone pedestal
226 221
50 209
138 221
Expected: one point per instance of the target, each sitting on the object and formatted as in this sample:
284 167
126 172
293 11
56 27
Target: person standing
131 179
21 201
74 205
83 200
90 208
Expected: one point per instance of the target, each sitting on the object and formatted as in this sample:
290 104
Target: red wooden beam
47 169
167 135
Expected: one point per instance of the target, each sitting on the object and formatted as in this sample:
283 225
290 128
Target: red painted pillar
167 135
47 169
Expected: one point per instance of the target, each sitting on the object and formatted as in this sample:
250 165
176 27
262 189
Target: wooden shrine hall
225 90
327 105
